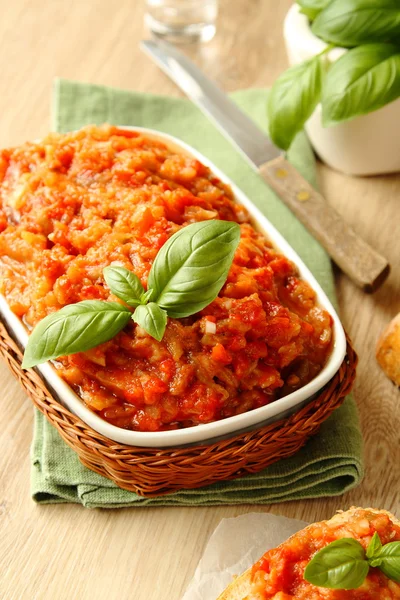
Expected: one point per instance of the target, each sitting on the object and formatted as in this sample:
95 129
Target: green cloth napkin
331 462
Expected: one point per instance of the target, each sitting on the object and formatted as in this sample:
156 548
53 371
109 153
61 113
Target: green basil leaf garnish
374 562
374 547
75 328
124 284
344 564
144 298
362 80
352 22
309 13
292 100
152 318
312 8
187 274
389 558
340 565
192 266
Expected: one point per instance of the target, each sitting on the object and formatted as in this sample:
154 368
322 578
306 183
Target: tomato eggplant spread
75 203
278 575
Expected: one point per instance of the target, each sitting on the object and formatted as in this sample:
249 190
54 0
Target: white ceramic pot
366 145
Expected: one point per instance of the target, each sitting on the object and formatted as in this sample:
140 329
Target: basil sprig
363 80
187 275
344 564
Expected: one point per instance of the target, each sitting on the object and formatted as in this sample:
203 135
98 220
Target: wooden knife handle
356 258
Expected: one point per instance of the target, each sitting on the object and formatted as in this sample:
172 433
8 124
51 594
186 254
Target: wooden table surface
62 552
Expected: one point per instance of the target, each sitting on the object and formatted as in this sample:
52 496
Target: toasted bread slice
240 588
388 350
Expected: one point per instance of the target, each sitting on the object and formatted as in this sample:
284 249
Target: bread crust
240 588
388 350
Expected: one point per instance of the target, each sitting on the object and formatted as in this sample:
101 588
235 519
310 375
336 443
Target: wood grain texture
61 551
361 263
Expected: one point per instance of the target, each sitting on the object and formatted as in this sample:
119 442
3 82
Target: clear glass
182 20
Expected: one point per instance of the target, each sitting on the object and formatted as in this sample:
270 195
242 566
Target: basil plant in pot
343 85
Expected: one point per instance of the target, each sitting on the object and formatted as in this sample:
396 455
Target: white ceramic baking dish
226 427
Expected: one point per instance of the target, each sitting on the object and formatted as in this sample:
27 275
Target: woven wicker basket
152 472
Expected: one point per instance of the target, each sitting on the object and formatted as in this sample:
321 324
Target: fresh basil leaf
352 22
341 565
293 98
312 8
152 318
361 81
192 266
144 298
374 547
390 561
309 13
75 328
124 284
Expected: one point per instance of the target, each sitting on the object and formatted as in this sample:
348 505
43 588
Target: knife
354 256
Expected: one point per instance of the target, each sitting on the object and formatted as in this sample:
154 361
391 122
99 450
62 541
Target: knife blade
354 256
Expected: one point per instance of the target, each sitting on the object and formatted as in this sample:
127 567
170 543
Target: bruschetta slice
279 574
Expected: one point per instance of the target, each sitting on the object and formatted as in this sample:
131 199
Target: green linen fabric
331 462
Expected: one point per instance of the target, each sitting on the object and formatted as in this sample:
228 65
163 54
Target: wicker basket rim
151 472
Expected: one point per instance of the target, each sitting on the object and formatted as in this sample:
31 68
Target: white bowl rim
231 425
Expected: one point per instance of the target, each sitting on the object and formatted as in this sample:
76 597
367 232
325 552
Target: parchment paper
233 547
